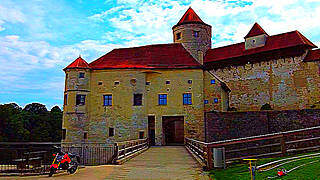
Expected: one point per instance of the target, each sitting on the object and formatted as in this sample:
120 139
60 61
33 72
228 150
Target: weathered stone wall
128 120
230 125
75 118
193 114
194 44
285 83
212 91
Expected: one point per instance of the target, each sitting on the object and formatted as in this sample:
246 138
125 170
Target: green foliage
33 123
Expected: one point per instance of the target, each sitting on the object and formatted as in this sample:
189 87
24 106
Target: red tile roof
275 42
313 55
78 63
151 56
255 31
190 17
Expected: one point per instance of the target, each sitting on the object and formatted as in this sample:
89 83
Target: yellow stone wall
285 84
212 91
75 118
128 120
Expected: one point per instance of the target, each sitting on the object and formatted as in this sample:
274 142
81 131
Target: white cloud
230 20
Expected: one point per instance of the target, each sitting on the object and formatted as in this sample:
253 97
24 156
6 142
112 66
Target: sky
38 38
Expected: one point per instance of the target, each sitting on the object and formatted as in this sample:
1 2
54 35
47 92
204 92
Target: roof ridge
256 30
304 39
148 45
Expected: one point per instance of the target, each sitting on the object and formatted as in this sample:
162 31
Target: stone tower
193 33
76 104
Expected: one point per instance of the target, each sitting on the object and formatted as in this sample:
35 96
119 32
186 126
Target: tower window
178 36
187 98
107 100
168 82
100 83
195 33
137 99
81 75
80 99
65 99
111 131
148 83
162 99
189 81
116 83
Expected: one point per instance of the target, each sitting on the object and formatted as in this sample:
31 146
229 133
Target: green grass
241 171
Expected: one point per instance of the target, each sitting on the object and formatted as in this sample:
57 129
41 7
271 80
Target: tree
56 123
12 123
33 123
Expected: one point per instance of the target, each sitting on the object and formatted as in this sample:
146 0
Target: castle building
162 91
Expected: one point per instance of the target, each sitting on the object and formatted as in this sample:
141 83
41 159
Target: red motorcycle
64 161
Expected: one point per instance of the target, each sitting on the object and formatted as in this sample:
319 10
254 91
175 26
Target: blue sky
38 38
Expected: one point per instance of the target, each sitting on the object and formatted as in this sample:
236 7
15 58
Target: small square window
162 99
64 133
81 75
206 101
167 82
100 83
141 134
116 83
107 100
111 132
148 83
190 81
137 99
178 36
215 100
187 98
213 81
85 135
80 99
196 33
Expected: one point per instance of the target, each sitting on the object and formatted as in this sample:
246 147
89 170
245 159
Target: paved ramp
165 162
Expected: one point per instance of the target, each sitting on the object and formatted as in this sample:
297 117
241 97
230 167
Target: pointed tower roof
78 63
190 17
255 31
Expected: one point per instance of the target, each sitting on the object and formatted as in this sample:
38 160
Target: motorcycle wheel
73 169
51 172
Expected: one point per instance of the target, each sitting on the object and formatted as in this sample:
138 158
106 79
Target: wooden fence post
209 154
283 146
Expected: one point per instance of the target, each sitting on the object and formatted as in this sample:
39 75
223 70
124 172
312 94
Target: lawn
241 170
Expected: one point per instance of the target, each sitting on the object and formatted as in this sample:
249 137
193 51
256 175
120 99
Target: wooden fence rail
126 149
267 145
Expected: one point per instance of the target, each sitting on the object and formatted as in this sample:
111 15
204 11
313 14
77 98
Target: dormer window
178 36
253 41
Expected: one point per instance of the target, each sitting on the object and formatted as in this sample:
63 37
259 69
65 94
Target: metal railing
36 157
266 145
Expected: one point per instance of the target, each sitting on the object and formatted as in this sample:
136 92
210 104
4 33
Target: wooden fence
127 149
268 145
